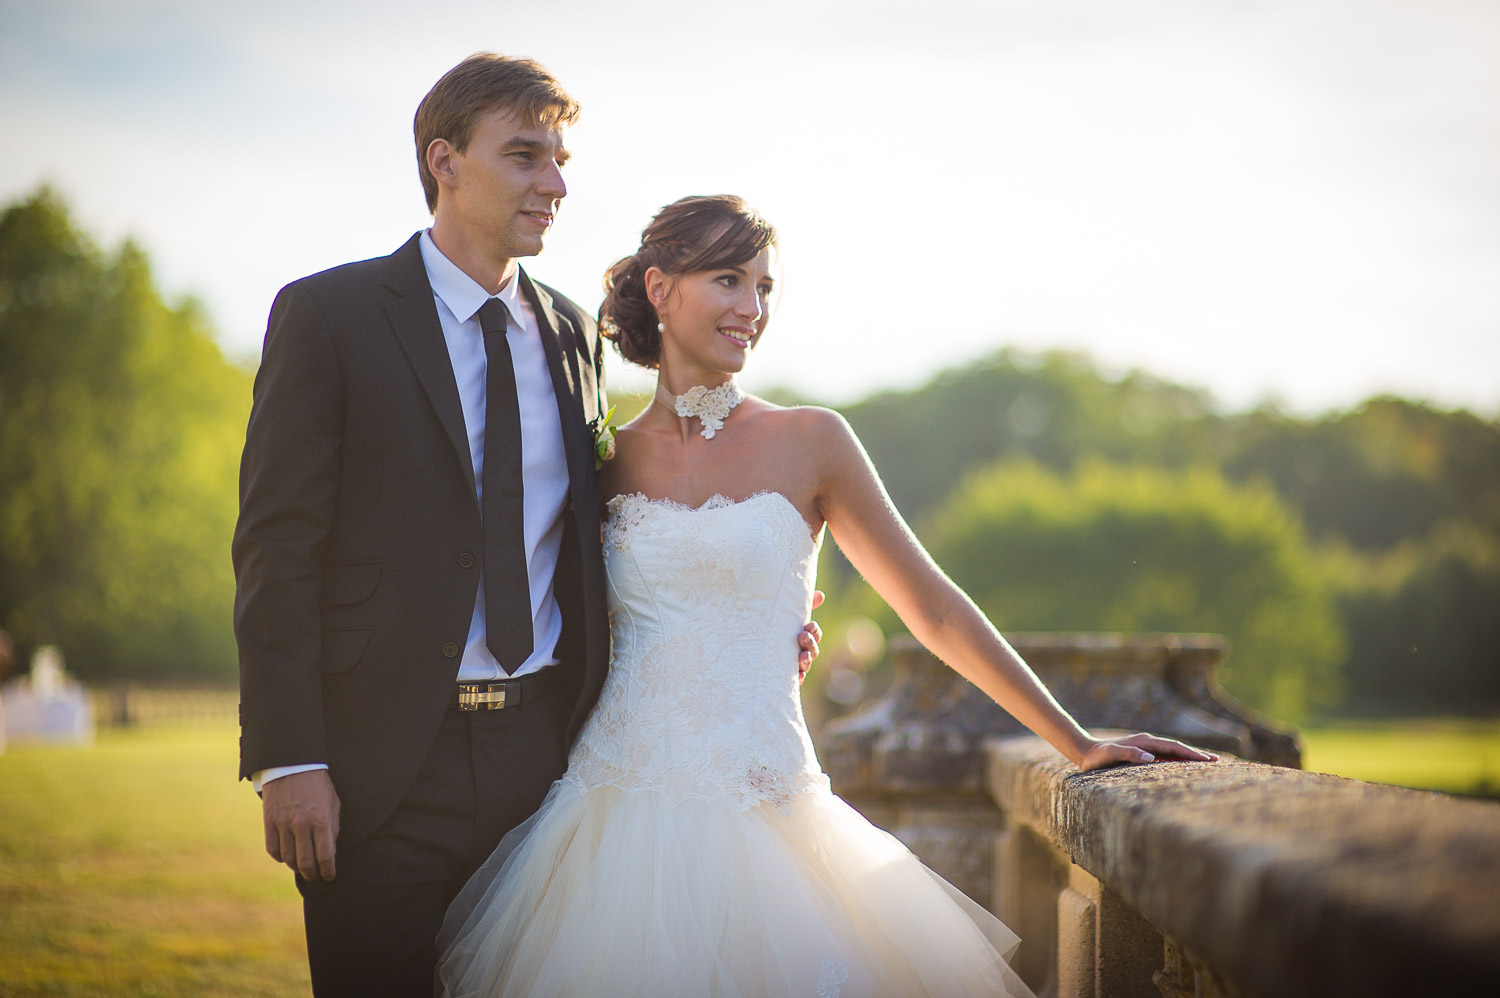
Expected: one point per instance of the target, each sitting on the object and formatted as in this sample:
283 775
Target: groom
420 595
420 601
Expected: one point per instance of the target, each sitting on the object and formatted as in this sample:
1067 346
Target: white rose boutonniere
604 438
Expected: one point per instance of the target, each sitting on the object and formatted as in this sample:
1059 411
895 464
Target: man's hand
302 822
808 640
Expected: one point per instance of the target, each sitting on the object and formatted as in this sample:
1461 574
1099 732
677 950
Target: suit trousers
371 931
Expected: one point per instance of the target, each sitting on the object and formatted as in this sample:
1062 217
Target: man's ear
440 161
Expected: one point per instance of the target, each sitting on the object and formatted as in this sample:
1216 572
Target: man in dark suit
378 584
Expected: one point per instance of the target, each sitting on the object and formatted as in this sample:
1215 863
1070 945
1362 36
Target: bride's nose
749 305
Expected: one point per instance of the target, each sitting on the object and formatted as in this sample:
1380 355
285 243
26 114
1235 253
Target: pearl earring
661 327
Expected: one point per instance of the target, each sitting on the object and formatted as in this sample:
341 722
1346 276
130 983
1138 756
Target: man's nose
553 185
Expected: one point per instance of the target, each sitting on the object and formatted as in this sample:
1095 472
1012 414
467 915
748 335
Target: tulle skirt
613 893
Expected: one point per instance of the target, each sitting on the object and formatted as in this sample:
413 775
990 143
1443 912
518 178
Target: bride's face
712 319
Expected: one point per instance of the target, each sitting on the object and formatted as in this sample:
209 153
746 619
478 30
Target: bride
693 847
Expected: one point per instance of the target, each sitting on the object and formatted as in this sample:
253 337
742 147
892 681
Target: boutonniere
604 438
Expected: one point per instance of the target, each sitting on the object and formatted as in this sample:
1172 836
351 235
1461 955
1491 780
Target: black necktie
507 591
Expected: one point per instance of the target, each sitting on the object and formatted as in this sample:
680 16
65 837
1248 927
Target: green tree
1116 548
120 427
1424 632
1055 409
1372 485
1404 500
1388 471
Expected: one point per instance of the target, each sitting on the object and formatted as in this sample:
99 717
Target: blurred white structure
46 706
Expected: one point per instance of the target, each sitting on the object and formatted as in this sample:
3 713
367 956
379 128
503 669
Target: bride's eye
729 280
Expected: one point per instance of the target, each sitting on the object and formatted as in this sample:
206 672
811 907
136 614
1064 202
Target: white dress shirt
544 465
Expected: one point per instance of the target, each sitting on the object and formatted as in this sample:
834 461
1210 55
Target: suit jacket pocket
342 650
349 583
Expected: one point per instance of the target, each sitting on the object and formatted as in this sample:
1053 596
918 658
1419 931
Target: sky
1293 202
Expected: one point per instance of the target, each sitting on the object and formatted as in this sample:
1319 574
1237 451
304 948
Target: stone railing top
1289 883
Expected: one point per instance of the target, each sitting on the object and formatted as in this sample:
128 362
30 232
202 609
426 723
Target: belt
501 693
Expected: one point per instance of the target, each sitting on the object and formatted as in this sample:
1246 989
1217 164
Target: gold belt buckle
476 696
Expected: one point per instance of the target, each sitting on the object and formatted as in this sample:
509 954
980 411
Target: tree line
120 428
1352 558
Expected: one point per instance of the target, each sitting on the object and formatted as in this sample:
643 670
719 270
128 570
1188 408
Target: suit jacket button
466 560
450 650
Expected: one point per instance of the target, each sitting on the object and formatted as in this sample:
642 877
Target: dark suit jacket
358 518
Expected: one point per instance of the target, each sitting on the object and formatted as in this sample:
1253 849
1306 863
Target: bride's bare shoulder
816 420
822 431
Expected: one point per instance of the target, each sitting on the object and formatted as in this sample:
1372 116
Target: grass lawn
1452 755
137 867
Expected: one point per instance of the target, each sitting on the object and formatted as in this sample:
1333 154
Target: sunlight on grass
1452 755
136 867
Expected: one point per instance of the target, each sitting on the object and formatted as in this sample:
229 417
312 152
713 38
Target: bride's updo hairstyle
696 233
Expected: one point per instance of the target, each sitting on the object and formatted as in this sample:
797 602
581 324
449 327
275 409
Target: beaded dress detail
694 847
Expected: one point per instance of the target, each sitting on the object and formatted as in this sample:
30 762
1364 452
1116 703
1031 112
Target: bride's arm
877 541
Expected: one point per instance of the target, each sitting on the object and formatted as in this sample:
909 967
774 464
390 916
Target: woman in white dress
693 847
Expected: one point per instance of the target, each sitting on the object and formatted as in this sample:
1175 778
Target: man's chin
528 245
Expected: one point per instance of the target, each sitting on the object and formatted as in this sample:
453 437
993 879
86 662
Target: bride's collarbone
733 466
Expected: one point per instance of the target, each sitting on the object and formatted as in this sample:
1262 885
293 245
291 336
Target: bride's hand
1139 748
808 641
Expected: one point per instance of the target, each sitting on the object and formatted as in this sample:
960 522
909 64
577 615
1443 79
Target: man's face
507 185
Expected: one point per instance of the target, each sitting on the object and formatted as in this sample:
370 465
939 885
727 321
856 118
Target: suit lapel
414 319
558 341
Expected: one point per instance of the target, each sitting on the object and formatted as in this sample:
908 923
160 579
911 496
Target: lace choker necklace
710 405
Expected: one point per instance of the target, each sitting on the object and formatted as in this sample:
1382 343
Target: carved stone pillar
1129 949
922 739
1182 976
1029 878
1077 936
1163 683
912 762
1105 949
1176 978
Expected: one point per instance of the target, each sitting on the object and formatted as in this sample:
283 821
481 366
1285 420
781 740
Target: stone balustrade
1239 878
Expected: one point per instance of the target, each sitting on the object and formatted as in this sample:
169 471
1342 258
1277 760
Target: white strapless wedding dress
693 847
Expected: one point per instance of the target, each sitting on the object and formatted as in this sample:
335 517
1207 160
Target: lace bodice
705 607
